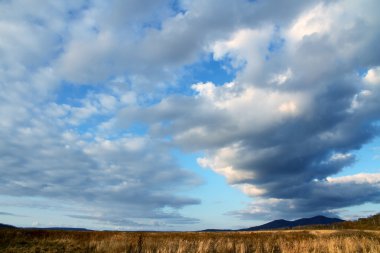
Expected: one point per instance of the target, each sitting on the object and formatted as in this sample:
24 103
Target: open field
26 241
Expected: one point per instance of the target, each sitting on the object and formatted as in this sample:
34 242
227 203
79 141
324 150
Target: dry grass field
317 241
361 236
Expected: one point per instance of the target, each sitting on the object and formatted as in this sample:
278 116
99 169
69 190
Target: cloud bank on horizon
94 99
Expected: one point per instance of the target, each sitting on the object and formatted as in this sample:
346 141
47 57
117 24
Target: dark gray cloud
292 117
318 197
7 214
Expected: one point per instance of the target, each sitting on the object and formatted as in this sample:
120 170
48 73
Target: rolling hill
6 226
281 224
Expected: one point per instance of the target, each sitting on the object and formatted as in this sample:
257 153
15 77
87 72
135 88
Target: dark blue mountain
6 226
280 224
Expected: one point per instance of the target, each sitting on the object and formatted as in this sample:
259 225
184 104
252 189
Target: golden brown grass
313 241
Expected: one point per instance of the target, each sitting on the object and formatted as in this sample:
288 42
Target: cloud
129 176
151 41
319 197
161 221
58 146
76 77
57 150
373 76
283 141
7 214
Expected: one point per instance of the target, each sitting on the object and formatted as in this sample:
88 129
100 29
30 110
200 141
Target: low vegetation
28 241
360 236
370 223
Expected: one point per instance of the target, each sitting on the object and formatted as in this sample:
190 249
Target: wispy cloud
11 214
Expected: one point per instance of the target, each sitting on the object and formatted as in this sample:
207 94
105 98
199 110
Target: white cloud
251 190
318 20
281 78
243 44
288 107
363 178
373 76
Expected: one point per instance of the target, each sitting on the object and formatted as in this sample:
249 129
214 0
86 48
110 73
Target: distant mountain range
281 224
51 228
6 226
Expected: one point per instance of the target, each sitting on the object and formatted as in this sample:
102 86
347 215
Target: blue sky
187 115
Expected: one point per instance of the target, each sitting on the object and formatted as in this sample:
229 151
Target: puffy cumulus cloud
294 114
150 40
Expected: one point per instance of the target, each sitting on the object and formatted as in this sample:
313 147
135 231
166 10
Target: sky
188 114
